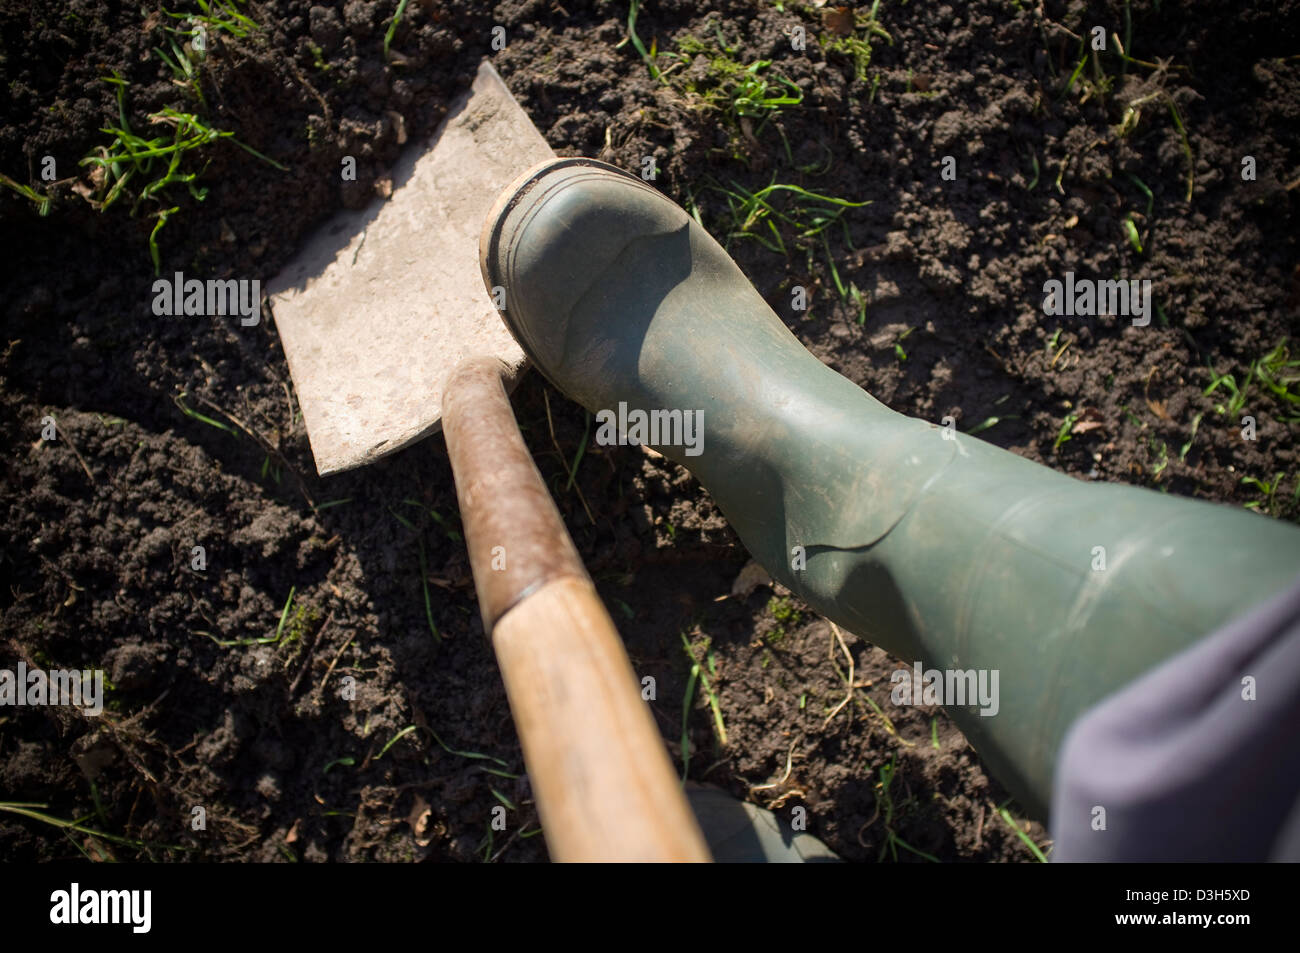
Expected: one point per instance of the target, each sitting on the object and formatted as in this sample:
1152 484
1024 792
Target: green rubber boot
938 547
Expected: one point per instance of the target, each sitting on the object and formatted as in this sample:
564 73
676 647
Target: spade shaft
604 784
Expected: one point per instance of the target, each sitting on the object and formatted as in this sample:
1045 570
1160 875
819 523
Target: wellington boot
1047 593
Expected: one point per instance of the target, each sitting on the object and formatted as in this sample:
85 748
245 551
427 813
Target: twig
789 766
509 840
297 74
73 447
835 629
870 702
297 679
329 671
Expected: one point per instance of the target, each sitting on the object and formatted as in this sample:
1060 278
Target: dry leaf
419 819
1089 419
839 20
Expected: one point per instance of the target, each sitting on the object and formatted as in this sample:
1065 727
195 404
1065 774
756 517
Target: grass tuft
156 161
782 212
857 45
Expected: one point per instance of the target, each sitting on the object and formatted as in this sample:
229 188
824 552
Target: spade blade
383 302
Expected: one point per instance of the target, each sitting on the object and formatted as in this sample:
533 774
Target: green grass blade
393 740
392 27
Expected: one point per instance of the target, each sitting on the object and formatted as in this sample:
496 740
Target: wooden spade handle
605 788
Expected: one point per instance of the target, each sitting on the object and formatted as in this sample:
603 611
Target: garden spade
390 334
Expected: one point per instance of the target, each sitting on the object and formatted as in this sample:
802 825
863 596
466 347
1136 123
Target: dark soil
98 526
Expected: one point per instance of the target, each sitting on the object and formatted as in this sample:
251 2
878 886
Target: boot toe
551 238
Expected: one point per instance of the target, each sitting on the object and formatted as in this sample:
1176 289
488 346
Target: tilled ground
941 315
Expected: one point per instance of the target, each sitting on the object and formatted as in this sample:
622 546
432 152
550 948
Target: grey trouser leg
1197 759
